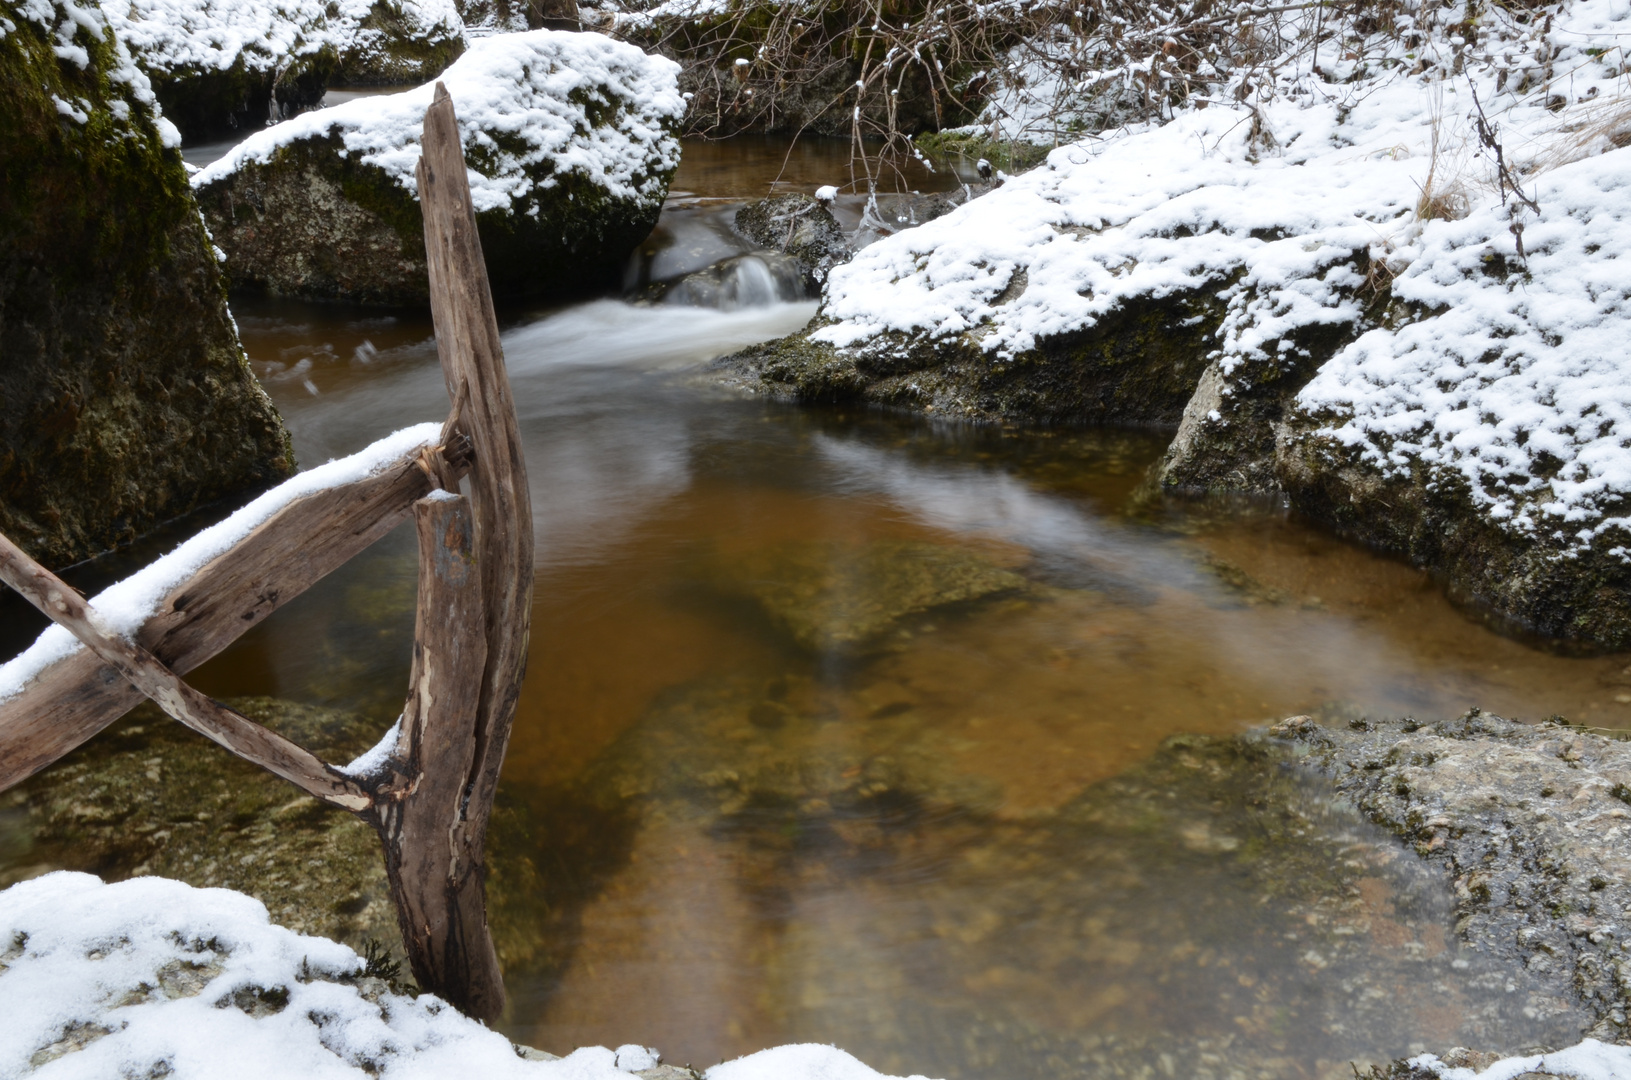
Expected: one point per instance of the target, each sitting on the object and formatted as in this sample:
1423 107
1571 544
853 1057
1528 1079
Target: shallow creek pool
848 727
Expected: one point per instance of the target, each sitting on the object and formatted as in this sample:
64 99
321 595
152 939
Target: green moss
125 397
1011 156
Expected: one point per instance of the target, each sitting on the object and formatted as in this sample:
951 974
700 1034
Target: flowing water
848 727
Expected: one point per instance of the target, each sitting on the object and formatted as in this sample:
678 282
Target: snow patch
152 977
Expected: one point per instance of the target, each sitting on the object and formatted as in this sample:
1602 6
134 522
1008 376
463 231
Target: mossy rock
398 44
1012 156
126 399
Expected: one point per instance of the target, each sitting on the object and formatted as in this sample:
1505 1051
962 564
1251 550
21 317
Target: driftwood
429 794
80 695
232 730
484 412
433 868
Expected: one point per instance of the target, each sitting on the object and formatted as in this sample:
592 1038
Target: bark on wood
232 730
80 695
434 870
473 367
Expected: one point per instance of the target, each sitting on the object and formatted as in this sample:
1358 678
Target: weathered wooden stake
434 871
461 965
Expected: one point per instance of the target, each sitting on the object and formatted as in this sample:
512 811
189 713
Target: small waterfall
742 281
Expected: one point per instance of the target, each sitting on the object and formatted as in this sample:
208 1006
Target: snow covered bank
1315 266
571 144
151 977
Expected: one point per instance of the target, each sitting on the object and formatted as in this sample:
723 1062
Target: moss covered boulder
571 144
125 397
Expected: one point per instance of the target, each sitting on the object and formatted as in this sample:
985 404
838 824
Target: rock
1530 822
742 281
1529 581
220 65
396 42
1138 364
125 397
832 596
799 226
148 796
571 145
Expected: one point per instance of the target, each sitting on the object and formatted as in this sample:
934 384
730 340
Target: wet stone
1533 825
834 596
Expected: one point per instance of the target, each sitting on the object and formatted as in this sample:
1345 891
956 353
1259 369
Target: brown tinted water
847 727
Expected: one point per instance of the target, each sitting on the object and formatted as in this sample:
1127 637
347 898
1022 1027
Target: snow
514 96
1508 383
1590 1060
156 978
178 37
127 604
66 20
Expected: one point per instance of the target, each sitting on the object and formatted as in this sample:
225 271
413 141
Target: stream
850 727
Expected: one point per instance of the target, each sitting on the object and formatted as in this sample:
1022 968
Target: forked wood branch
81 694
232 730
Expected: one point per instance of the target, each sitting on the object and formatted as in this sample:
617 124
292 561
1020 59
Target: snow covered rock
571 143
125 397
223 64
151 977
1324 290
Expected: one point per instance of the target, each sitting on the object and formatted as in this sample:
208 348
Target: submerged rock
1218 909
832 596
797 225
570 142
219 65
1533 823
125 397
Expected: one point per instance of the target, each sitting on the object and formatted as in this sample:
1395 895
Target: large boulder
571 141
217 65
125 396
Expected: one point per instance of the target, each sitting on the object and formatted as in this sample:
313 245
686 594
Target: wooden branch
434 871
473 367
232 730
80 695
